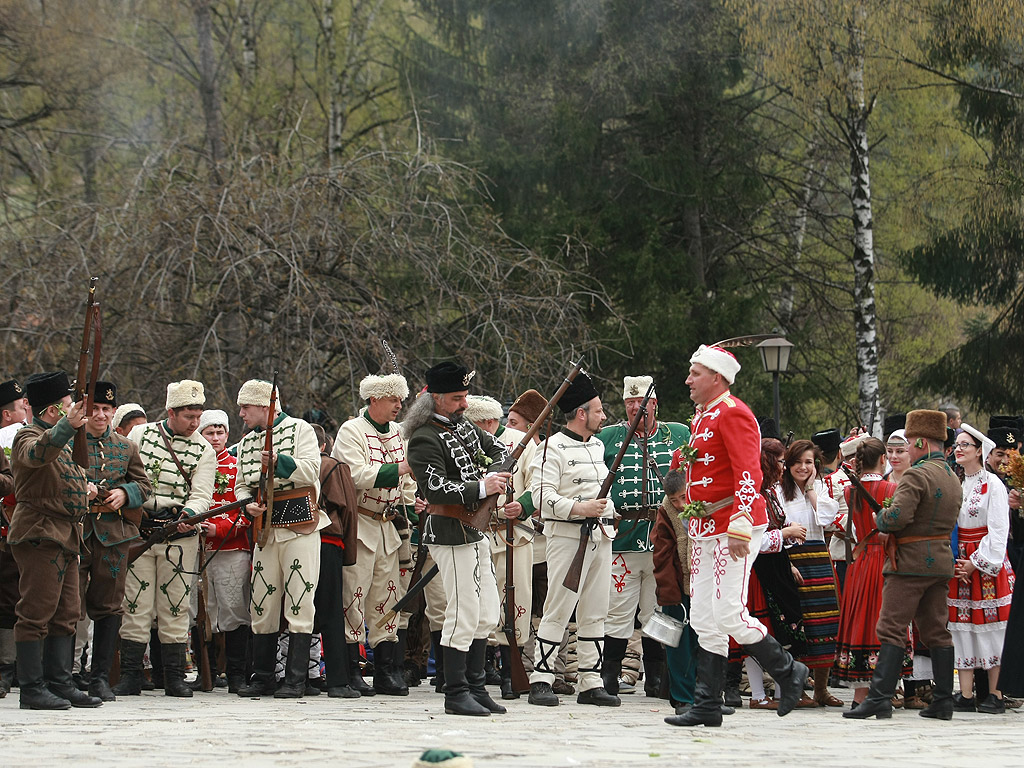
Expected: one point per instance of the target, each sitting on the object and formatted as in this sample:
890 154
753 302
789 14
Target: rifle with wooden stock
572 576
888 541
165 531
518 677
90 337
265 492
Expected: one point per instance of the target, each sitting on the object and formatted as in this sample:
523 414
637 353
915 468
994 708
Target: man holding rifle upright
181 466
118 485
568 471
286 563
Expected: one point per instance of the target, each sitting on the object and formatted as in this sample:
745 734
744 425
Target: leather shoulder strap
174 457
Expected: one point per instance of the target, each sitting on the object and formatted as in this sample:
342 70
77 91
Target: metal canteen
665 629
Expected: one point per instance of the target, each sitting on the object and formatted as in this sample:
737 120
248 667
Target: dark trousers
681 661
914 598
49 587
9 594
102 574
329 619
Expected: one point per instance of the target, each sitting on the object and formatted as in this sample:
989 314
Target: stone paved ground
218 728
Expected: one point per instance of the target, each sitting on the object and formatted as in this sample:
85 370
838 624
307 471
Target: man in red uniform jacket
727 520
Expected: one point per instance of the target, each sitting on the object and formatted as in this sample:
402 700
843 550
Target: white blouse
800 511
986 504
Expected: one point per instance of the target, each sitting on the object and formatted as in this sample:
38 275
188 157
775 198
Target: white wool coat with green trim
169 487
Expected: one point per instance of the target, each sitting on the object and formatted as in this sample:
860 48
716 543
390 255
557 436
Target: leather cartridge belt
386 514
474 519
582 520
650 514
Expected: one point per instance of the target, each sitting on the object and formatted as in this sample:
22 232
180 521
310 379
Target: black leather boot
707 693
104 643
788 673
35 694
733 676
355 674
654 667
58 660
296 667
507 691
436 647
476 676
457 700
398 666
493 675
264 660
236 646
883 685
387 677
611 666
174 670
156 660
130 683
941 707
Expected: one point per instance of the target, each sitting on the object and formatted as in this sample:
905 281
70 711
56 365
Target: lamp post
775 359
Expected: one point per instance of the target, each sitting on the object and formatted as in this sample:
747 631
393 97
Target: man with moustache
728 519
372 447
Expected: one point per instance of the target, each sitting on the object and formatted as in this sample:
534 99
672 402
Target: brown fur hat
529 405
927 424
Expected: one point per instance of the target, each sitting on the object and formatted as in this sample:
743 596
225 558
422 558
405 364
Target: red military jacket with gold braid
727 442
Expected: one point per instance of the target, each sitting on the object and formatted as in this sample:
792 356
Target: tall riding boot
707 693
104 643
296 668
174 670
457 699
130 683
476 676
236 644
355 674
733 676
264 660
941 707
507 692
384 681
397 670
58 660
611 666
336 669
493 675
436 647
654 667
8 676
788 673
34 692
883 685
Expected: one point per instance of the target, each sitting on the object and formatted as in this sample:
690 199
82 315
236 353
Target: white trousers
285 572
227 584
522 579
470 590
591 604
159 586
718 594
372 587
632 585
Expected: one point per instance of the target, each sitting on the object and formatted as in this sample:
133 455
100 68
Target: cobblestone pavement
382 732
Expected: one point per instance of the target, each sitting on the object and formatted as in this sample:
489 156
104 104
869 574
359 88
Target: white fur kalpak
124 410
391 385
185 392
849 447
255 392
718 360
482 407
636 386
213 418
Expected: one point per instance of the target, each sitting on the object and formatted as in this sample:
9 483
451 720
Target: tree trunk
208 92
336 118
864 312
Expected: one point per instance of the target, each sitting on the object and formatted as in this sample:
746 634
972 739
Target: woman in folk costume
857 644
807 503
897 452
980 594
773 594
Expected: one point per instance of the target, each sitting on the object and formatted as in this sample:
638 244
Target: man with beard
372 447
449 458
568 470
118 485
181 466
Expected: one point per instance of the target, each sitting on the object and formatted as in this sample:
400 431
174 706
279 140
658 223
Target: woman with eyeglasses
806 502
858 644
980 592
